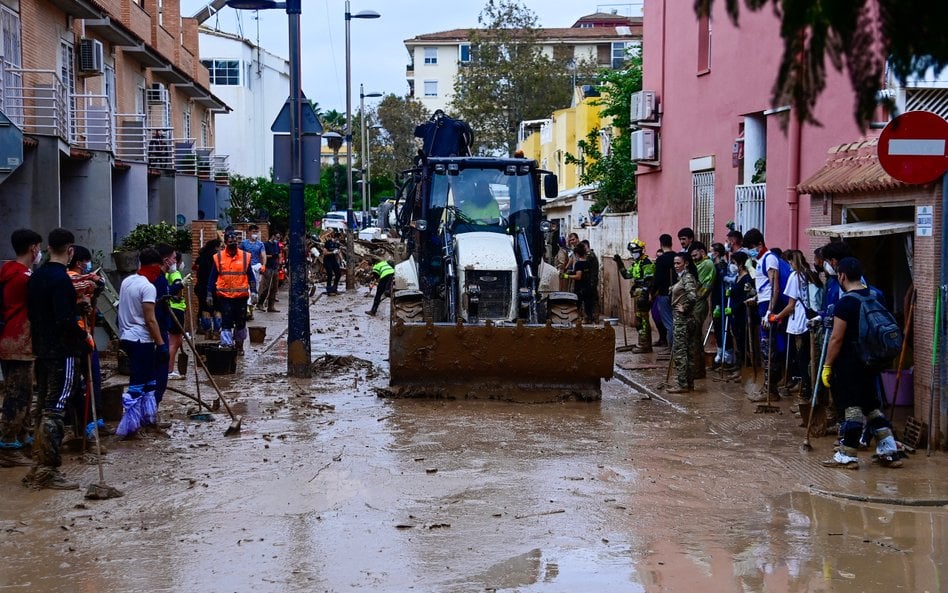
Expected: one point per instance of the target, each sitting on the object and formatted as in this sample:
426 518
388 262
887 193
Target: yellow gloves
825 375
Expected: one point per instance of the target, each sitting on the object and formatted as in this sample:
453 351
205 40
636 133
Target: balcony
92 126
34 100
749 202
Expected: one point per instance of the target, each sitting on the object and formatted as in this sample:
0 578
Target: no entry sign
913 147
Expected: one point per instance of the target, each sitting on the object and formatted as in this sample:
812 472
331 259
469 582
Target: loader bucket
511 362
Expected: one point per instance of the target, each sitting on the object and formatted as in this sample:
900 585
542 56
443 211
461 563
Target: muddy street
330 487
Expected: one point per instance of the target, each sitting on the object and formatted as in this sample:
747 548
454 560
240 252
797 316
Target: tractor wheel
563 312
409 310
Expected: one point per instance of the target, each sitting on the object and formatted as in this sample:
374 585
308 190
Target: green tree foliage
615 171
509 79
333 121
398 116
258 198
857 34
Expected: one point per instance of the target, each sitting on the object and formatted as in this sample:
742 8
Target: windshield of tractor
484 198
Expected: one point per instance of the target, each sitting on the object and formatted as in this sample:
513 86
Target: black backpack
880 338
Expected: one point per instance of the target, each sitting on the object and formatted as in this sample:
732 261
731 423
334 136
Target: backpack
880 339
783 274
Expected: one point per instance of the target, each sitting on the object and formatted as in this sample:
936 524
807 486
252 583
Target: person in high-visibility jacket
385 273
233 282
481 207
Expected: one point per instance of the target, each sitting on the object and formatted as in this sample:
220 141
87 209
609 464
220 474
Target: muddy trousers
56 378
682 348
233 318
856 401
268 289
17 391
333 274
642 314
772 360
382 290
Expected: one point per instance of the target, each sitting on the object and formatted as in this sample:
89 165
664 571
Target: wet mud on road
332 488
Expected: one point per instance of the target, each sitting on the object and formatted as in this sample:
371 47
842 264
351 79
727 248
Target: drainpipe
793 176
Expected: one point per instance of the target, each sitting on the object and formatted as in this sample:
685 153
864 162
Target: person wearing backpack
864 339
770 278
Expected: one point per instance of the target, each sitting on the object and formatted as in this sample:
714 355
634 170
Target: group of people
741 285
47 321
578 267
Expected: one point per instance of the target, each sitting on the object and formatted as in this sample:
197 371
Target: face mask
636 254
173 268
254 237
828 268
87 269
732 269
38 259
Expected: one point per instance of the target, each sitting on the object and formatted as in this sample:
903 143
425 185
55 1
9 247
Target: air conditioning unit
91 57
644 145
643 107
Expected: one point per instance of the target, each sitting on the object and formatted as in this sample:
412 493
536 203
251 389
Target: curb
911 502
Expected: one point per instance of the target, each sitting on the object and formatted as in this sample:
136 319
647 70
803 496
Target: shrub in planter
145 235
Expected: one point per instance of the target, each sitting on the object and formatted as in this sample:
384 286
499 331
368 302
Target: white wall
244 133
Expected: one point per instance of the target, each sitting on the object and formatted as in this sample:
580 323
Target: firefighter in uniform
641 271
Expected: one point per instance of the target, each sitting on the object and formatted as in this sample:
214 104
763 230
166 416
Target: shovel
100 491
816 389
625 337
235 421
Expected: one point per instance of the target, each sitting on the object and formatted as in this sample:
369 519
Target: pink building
715 149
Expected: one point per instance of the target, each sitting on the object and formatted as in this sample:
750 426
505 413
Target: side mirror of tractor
550 186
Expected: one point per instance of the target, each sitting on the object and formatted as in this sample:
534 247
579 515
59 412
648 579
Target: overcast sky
379 57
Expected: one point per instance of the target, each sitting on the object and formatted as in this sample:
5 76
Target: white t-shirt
762 277
135 290
797 289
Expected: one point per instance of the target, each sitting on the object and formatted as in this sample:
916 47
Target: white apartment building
255 84
437 57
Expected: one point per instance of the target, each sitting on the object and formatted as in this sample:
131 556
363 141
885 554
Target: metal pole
362 158
943 397
298 343
350 247
368 172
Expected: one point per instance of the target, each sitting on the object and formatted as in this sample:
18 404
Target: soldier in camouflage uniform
684 295
641 271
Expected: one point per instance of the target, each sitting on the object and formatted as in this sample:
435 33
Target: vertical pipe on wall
793 176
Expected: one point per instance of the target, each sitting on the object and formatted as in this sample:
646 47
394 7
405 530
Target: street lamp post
365 152
350 246
298 344
368 158
334 141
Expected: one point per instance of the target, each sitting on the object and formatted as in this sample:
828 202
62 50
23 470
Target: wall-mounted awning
869 228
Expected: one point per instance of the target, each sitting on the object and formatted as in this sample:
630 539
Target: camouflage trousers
643 316
699 314
682 347
17 390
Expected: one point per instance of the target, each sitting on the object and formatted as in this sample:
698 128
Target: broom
101 490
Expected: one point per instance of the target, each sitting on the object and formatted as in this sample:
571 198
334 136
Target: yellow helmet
636 245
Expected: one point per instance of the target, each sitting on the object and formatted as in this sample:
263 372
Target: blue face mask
88 268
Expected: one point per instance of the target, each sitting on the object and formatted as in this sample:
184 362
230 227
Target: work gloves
253 299
825 375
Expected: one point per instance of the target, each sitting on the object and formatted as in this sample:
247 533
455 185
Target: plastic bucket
220 361
906 394
258 334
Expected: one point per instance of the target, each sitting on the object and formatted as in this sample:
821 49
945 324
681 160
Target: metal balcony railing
92 123
221 167
131 139
36 101
160 148
749 202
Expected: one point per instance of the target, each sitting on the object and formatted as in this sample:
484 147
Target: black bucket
220 360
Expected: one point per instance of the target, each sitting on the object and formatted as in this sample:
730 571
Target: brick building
852 198
112 120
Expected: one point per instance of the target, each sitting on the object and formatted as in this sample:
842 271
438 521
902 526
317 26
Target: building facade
113 116
254 83
436 58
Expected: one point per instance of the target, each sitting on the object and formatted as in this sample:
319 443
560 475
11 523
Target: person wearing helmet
641 272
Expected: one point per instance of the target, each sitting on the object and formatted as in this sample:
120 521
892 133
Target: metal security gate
702 195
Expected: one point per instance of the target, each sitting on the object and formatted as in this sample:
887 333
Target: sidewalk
724 407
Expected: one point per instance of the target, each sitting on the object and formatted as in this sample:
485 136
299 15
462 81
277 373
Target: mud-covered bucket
258 334
220 360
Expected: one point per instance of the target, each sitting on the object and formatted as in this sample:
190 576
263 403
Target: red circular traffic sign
913 147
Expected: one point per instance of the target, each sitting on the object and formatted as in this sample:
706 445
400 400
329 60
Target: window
67 73
223 72
431 88
702 192
704 44
464 53
10 54
619 53
431 55
110 86
187 121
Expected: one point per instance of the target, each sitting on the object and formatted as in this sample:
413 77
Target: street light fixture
298 362
350 246
365 150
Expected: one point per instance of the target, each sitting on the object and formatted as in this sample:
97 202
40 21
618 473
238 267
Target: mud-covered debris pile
330 365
